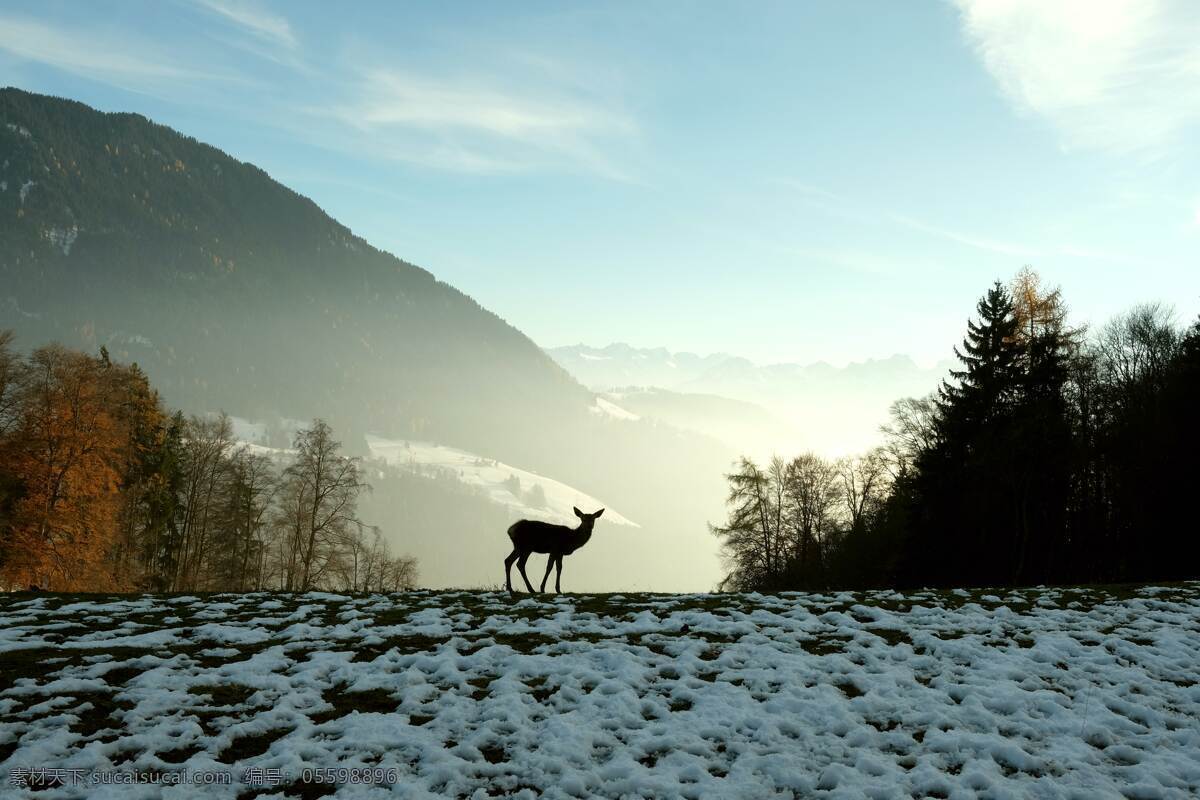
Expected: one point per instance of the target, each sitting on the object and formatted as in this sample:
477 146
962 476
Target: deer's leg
508 562
521 568
549 566
558 575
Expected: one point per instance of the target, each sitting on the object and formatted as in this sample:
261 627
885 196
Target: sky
783 181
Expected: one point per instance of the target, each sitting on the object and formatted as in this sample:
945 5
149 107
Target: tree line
1054 454
102 488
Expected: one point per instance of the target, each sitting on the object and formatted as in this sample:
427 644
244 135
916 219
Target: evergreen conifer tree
990 357
963 493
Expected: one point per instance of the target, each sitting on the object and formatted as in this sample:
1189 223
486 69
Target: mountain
746 427
234 292
604 368
123 233
832 410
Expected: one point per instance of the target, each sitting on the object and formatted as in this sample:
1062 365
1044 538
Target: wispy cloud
855 211
262 24
476 125
815 193
126 62
396 98
501 116
860 213
1117 75
968 239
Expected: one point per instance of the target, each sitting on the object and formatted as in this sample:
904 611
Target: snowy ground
1040 693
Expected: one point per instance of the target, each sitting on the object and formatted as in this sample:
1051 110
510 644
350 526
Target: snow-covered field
1039 693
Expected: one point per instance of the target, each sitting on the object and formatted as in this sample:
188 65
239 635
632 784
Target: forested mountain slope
232 290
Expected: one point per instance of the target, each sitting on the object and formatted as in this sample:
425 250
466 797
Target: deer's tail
512 531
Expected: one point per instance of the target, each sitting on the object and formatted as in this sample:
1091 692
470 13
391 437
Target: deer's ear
598 513
578 513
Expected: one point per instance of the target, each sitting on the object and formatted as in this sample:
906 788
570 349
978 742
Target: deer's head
587 520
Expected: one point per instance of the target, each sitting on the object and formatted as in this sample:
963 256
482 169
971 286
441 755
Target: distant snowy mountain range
757 408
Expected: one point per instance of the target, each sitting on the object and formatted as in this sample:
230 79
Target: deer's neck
582 534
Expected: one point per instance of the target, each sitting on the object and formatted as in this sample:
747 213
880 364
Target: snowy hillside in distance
495 478
450 508
606 407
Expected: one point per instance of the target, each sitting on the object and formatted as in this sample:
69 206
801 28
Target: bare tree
774 543
750 535
399 574
375 562
912 431
370 566
363 561
353 569
812 495
287 529
782 519
251 488
864 481
206 449
325 488
1134 349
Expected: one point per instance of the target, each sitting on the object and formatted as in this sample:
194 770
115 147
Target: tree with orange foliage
64 453
1040 312
12 372
101 490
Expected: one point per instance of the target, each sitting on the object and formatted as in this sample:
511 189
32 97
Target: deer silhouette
534 536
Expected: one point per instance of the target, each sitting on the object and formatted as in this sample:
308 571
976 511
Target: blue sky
784 181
